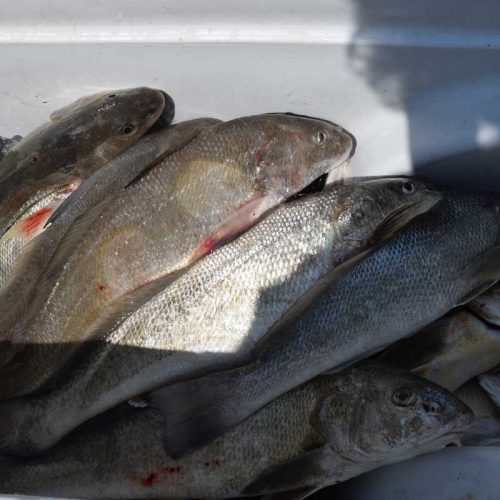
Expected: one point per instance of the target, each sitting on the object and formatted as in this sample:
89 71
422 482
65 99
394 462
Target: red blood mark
258 157
482 305
212 464
209 245
35 222
156 476
35 158
102 287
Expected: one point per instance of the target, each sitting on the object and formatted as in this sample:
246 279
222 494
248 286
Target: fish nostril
431 407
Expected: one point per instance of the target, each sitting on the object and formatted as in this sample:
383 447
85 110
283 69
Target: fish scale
212 316
303 439
158 225
434 264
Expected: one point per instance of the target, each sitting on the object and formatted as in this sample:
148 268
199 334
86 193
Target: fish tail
197 411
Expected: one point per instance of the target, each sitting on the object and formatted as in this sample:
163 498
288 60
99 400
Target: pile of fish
187 310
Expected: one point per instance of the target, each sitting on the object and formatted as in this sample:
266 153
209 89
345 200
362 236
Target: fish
120 171
28 227
450 351
78 140
487 305
490 382
172 214
442 259
485 428
300 442
211 317
7 143
467 473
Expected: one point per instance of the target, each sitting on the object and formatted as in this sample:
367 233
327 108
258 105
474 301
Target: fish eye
403 396
320 138
111 96
408 187
127 129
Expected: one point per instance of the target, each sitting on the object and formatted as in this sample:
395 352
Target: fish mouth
316 186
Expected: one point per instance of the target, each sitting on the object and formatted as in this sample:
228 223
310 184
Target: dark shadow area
433 61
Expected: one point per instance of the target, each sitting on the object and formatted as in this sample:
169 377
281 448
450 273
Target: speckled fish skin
204 194
78 140
450 351
211 317
425 270
28 227
15 299
304 439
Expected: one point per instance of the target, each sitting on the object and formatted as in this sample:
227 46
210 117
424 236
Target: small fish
490 382
328 430
485 428
442 259
79 139
450 351
175 212
211 317
487 305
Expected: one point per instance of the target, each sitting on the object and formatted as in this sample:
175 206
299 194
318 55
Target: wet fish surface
211 317
15 299
450 351
174 213
442 259
79 139
302 441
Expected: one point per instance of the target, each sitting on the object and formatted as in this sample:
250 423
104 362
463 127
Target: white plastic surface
451 474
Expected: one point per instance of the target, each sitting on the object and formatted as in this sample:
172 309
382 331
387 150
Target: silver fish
444 258
211 317
299 443
450 351
16 297
174 213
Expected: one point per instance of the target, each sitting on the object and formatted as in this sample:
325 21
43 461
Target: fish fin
307 468
297 494
490 382
195 411
399 219
485 271
32 226
176 147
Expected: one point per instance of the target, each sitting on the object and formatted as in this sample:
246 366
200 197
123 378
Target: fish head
383 206
383 414
289 152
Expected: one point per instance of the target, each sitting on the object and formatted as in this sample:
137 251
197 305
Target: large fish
171 215
450 351
212 316
15 298
79 139
442 259
326 431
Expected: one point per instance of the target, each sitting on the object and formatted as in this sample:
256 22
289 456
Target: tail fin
197 411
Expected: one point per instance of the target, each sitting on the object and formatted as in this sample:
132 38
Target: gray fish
450 351
490 382
79 139
119 172
442 259
326 431
174 213
211 317
485 428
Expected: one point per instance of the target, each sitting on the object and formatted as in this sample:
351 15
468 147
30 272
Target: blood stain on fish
34 222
